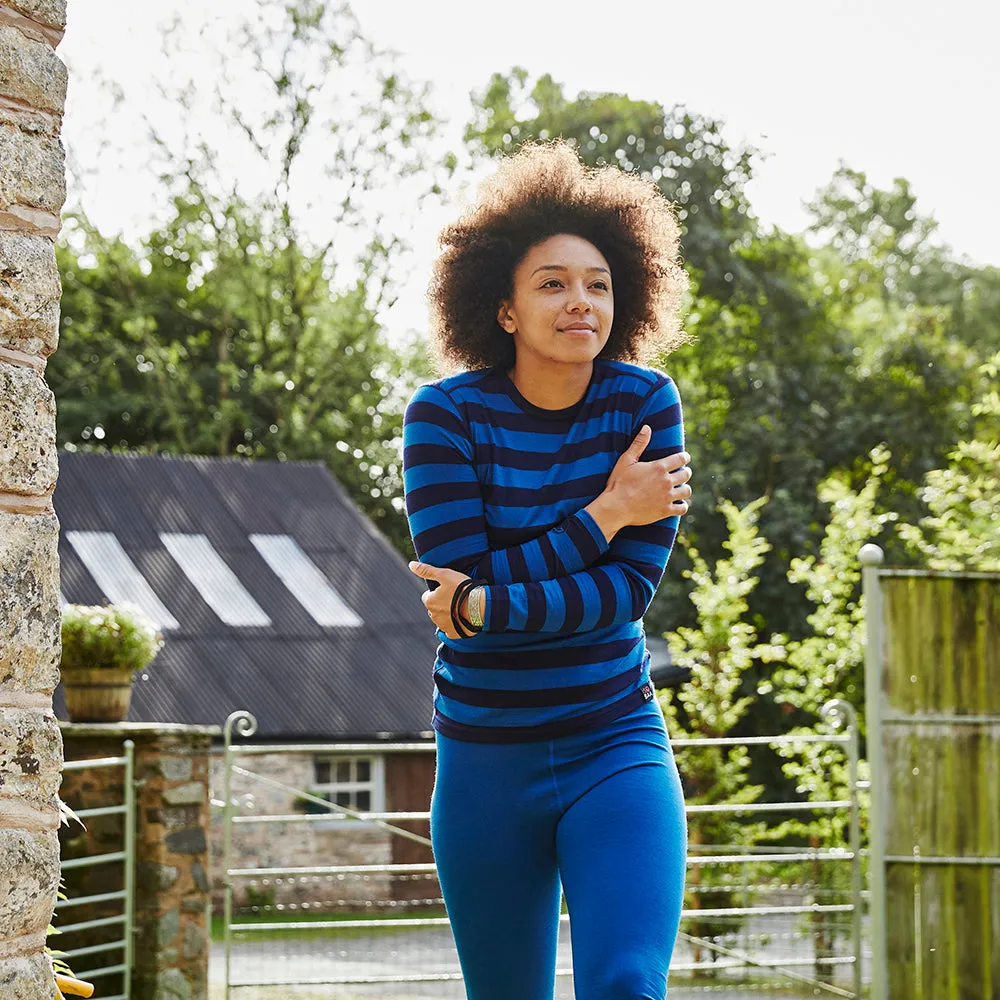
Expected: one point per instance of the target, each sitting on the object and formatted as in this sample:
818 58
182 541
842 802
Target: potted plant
103 647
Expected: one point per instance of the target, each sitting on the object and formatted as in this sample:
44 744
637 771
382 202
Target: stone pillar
172 821
32 192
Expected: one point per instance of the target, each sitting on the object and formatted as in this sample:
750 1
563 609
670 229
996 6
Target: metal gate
254 970
126 858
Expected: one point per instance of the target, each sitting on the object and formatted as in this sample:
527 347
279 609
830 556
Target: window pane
343 770
343 798
364 770
364 801
322 768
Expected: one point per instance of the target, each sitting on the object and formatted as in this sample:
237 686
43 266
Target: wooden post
934 745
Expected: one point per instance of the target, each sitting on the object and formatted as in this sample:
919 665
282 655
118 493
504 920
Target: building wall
32 192
408 786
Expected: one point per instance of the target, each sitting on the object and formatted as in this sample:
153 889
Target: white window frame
375 785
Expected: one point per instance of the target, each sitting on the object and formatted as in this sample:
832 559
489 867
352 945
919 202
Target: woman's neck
552 386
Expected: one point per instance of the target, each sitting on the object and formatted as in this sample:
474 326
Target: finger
677 460
637 447
681 492
425 570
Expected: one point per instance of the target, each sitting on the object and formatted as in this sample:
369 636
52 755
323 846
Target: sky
895 88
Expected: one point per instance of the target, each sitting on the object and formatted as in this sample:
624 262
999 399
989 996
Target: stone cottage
278 597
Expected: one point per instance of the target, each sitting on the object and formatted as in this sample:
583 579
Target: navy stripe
518 565
536 608
433 537
540 461
419 411
534 659
574 603
425 496
583 540
540 697
499 611
544 731
513 421
553 567
518 496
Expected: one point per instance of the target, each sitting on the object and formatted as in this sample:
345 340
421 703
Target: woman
544 484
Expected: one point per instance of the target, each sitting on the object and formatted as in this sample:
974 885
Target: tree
786 378
829 664
962 530
683 153
892 257
718 652
228 330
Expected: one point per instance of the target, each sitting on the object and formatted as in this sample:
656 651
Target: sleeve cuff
595 535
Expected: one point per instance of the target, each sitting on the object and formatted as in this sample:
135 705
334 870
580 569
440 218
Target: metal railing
837 712
126 857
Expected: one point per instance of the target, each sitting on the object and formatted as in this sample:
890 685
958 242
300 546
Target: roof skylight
117 576
213 579
303 578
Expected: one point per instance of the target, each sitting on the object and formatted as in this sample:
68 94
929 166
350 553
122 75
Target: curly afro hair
542 190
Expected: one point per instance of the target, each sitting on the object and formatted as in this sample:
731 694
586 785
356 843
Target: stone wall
172 887
32 192
319 842
281 845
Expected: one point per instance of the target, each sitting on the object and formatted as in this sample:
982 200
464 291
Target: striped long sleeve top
495 488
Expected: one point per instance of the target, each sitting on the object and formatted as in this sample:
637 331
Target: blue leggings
600 813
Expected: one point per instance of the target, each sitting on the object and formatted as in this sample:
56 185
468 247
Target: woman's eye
555 282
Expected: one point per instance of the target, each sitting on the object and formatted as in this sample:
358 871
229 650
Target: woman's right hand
649 491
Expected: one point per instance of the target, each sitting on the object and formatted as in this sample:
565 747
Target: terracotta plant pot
99 695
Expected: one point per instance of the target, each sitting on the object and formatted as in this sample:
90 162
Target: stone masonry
32 192
171 849
280 845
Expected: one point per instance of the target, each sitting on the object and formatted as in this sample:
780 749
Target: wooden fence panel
937 727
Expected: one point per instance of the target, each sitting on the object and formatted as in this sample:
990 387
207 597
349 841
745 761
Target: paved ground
428 950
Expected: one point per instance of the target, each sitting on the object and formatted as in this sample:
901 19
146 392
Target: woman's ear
504 317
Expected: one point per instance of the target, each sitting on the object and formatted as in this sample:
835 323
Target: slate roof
301 680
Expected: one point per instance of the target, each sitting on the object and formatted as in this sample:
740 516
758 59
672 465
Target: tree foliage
718 652
962 529
685 154
802 359
229 331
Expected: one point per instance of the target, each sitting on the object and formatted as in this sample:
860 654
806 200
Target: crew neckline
565 413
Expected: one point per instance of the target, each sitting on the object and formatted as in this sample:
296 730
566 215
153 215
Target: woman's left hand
438 601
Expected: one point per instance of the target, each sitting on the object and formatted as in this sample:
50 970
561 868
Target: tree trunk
32 192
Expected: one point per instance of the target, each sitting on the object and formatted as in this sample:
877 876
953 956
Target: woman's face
562 303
